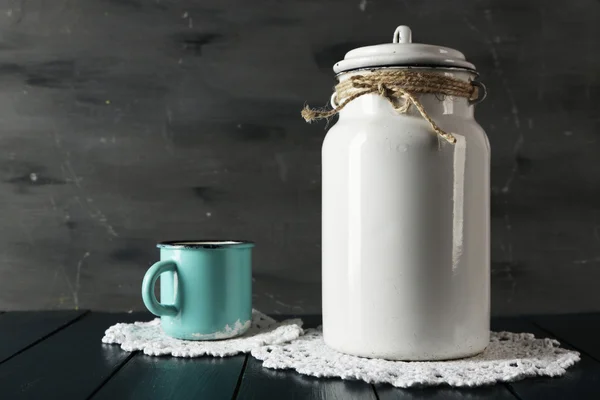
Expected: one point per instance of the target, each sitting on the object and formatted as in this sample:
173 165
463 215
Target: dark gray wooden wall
124 122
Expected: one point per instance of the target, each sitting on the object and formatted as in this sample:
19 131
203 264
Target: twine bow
398 87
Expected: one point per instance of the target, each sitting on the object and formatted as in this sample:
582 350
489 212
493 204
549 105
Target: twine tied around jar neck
399 88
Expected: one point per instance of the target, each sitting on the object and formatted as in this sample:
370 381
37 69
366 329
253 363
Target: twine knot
398 87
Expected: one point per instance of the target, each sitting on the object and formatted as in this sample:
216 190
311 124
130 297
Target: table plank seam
238 385
58 329
375 391
560 339
112 374
512 391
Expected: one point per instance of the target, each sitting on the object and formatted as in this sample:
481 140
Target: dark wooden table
58 355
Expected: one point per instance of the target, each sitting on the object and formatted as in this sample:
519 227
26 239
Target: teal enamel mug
205 288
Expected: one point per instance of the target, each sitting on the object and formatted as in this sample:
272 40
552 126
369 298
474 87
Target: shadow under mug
205 288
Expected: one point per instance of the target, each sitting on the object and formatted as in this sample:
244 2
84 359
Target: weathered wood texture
124 122
70 364
60 354
146 377
21 330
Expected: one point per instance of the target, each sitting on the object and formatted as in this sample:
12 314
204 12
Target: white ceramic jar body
406 231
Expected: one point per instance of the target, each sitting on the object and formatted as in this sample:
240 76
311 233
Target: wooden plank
579 330
497 392
582 381
21 330
263 383
68 365
145 377
260 383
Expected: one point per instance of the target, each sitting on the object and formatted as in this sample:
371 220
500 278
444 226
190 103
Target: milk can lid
402 52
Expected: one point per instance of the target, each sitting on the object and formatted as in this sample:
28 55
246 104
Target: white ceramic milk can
406 206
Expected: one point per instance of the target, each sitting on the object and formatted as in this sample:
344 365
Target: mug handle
150 301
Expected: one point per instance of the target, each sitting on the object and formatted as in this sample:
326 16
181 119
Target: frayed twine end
308 114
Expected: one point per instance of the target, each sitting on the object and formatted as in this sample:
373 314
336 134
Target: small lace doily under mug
509 357
150 338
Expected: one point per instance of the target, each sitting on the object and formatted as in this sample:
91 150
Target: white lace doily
150 338
509 357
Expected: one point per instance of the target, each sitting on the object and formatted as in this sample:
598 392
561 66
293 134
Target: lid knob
403 34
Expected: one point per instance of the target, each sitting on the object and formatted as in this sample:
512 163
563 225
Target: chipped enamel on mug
205 288
406 217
